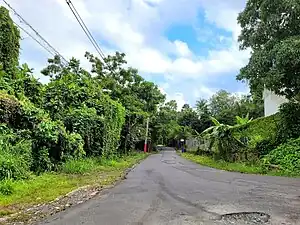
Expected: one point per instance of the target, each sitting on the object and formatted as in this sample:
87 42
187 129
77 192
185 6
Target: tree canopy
9 42
271 29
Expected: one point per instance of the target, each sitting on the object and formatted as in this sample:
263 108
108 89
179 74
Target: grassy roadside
74 174
233 167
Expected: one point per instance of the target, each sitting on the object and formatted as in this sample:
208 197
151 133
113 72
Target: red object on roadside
145 147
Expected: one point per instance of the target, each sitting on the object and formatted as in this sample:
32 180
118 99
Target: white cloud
224 13
204 92
182 48
178 97
137 28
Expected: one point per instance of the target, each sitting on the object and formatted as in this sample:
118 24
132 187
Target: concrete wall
272 102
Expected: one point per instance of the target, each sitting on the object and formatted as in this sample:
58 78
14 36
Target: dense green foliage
272 30
286 156
257 130
246 142
226 107
9 43
289 123
78 114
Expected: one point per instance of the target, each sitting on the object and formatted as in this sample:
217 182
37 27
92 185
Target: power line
85 28
21 28
88 34
22 20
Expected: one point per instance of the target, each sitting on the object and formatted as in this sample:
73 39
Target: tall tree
272 30
204 114
9 42
139 97
221 105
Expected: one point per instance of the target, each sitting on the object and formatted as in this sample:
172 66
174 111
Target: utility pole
146 144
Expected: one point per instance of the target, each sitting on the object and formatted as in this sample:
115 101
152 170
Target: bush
15 155
289 125
52 144
264 147
286 156
113 114
257 130
73 146
89 125
9 109
46 149
13 167
31 116
6 187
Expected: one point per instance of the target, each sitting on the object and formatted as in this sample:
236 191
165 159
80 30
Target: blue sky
187 47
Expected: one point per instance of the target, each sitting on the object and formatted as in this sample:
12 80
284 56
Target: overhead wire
85 28
22 20
88 34
25 31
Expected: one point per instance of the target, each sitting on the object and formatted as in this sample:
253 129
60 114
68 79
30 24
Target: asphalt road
167 189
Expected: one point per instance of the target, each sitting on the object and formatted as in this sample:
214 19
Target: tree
203 112
272 30
9 42
164 124
189 118
139 97
221 106
249 105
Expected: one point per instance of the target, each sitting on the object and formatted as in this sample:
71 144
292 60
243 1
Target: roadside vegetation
17 195
80 128
264 145
86 127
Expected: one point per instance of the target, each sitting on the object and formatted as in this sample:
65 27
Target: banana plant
242 121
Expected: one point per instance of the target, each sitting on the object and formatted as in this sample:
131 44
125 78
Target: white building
272 102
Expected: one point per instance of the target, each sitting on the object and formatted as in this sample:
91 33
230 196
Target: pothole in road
249 218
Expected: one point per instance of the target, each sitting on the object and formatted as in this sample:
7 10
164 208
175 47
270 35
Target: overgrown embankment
269 145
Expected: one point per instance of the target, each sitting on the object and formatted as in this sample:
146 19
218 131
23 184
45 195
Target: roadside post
182 145
145 144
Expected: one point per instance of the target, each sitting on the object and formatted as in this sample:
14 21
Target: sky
189 48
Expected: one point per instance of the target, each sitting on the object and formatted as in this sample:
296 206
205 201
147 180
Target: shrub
13 167
52 144
9 109
46 149
89 125
286 156
73 146
6 187
113 114
289 125
264 147
41 160
15 155
257 130
31 116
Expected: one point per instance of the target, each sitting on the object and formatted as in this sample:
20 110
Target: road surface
167 189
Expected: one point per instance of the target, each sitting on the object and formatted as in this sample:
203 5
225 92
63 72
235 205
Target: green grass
222 165
236 166
75 174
